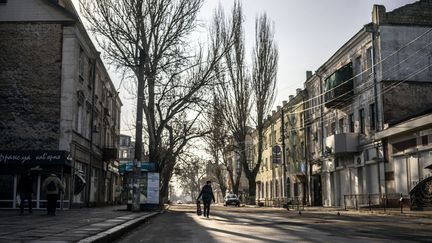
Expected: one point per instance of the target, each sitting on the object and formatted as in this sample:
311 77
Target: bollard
401 203
369 201
356 203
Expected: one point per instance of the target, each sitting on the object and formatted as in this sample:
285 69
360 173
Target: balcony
342 143
339 87
109 154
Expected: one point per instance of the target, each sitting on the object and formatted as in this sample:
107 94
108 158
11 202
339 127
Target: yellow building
288 137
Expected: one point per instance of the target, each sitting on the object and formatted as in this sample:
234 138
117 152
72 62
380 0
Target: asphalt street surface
231 224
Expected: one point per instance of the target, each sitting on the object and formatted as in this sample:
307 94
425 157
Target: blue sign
277 152
145 166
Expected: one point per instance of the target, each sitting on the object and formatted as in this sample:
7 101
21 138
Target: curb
390 213
113 233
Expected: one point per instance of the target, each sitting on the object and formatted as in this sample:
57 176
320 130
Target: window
81 65
424 140
358 70
362 121
368 61
332 128
389 175
301 120
341 125
351 122
372 116
79 119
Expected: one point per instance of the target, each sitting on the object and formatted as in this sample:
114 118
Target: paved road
181 224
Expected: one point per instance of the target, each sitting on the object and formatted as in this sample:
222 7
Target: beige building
287 136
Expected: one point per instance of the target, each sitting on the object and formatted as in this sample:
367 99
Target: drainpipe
89 171
373 30
321 111
283 154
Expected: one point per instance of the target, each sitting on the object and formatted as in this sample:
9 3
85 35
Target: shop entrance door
8 197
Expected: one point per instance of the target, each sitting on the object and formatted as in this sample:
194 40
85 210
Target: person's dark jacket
25 185
206 194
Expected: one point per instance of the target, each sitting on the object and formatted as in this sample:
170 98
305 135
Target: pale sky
307 32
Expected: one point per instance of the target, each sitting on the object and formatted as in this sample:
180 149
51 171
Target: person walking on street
52 186
25 191
207 196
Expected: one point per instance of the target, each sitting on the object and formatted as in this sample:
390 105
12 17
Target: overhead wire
370 68
367 87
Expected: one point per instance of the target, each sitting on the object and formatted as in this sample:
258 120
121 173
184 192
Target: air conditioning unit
358 159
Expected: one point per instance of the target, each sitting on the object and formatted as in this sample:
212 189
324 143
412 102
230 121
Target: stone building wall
30 80
418 13
404 99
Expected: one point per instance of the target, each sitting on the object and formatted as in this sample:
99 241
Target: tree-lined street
246 224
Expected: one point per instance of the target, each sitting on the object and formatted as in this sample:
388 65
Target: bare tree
216 141
151 40
235 88
264 71
190 173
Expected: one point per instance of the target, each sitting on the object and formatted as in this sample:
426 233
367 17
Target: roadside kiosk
147 181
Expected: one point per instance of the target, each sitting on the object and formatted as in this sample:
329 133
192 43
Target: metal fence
295 203
376 201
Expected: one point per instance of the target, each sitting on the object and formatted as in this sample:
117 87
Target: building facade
340 140
357 94
59 104
126 149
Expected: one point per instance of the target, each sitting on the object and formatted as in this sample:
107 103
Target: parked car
231 199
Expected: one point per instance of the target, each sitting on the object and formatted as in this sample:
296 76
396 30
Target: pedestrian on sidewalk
52 186
207 196
25 191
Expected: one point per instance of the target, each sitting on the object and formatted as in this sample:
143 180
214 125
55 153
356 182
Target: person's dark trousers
51 204
207 208
23 197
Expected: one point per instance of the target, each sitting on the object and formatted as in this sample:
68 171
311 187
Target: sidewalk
84 225
378 211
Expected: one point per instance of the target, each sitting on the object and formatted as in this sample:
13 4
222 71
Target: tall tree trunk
252 190
138 134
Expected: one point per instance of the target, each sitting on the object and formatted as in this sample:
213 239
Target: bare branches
264 71
234 90
150 38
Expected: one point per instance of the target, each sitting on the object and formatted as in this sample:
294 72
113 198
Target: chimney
284 102
278 108
291 97
308 75
298 91
378 14
273 112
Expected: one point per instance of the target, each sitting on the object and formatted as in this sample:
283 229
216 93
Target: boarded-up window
389 176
